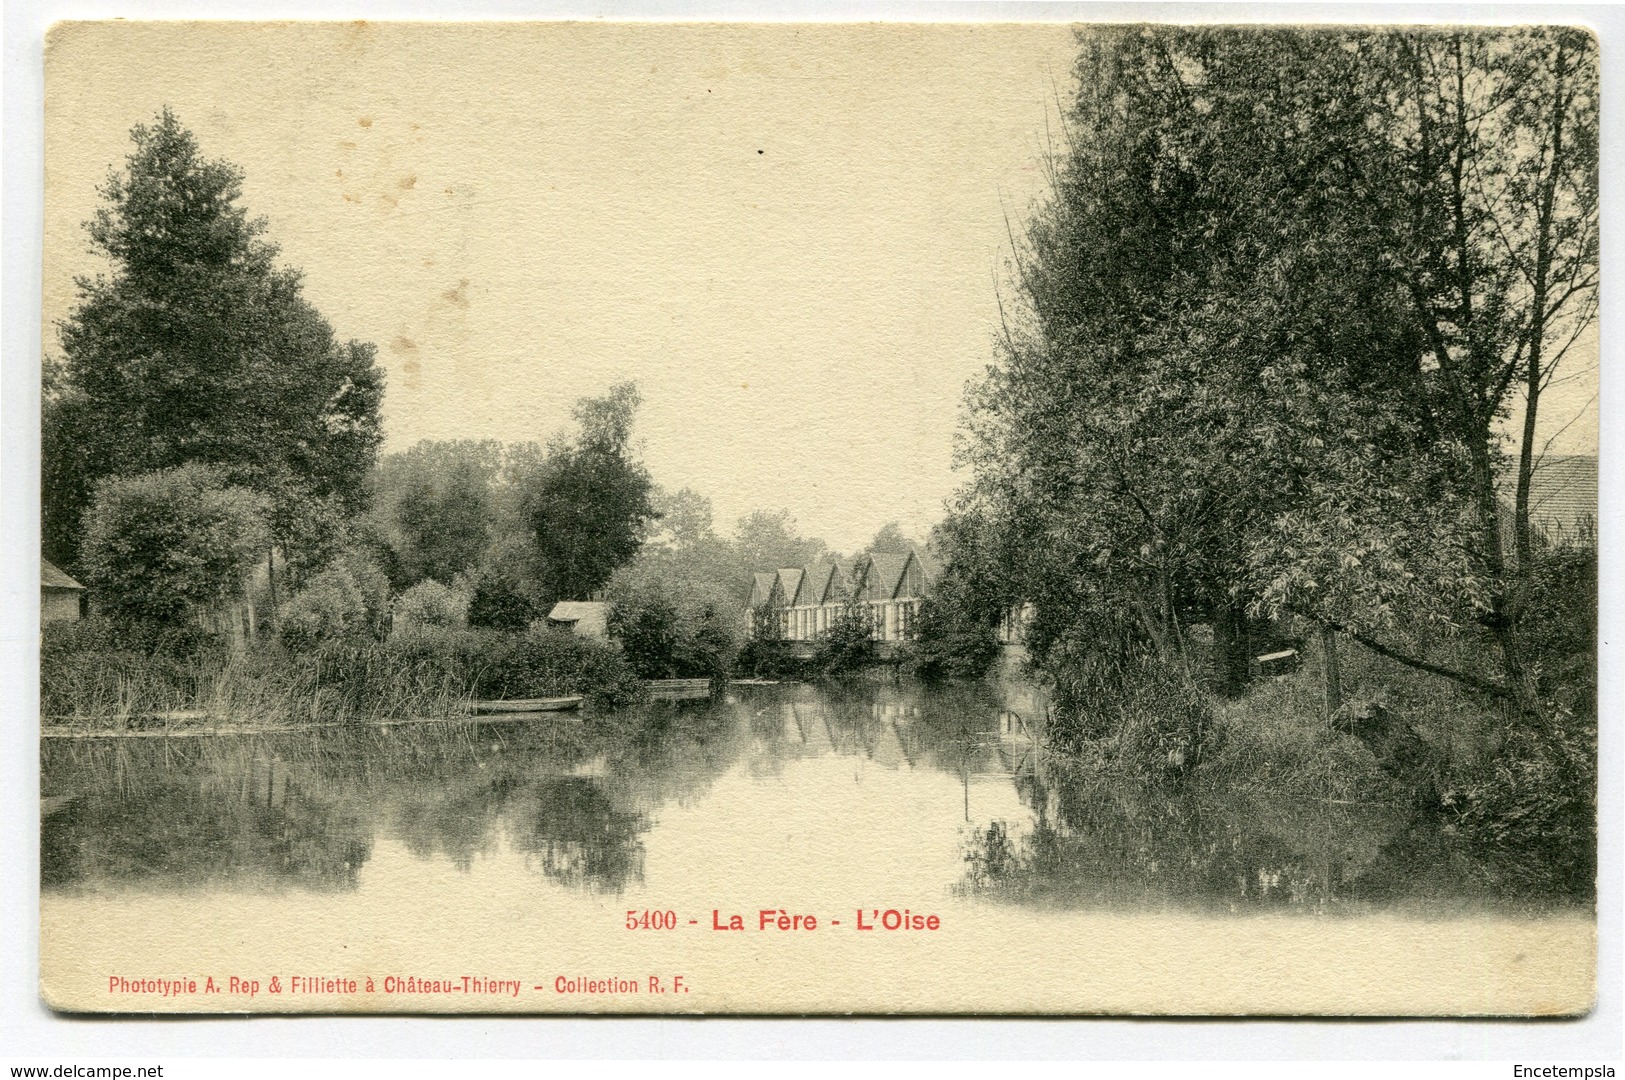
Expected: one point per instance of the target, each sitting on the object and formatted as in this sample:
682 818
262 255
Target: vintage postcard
819 519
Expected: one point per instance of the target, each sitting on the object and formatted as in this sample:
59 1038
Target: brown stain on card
411 366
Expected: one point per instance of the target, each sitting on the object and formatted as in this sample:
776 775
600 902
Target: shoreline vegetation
91 679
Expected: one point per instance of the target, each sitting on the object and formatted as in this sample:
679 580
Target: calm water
875 795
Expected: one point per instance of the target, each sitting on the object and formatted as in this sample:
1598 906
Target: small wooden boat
524 705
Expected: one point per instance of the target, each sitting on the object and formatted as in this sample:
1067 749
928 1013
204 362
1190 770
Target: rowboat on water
524 705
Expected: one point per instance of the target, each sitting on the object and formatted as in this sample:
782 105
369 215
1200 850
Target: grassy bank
1462 765
93 674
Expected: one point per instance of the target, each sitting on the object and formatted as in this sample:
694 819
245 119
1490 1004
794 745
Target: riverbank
93 677
1484 791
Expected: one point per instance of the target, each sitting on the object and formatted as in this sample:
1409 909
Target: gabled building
583 618
59 594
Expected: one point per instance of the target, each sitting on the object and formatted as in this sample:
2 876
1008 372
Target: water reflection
579 804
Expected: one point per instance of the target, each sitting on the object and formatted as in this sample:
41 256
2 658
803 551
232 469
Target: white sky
789 236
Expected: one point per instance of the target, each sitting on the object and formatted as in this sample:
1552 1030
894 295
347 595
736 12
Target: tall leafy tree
1282 293
164 546
435 506
586 506
1493 182
196 346
771 539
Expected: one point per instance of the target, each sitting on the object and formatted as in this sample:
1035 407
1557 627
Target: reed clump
96 674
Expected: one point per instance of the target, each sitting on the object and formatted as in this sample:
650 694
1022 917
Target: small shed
583 618
59 594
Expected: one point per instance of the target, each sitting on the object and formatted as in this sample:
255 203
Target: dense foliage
585 506
165 546
435 508
1268 320
1280 335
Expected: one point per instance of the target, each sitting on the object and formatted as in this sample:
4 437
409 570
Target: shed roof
50 577
575 610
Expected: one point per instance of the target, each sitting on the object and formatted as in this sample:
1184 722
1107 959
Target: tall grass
91 677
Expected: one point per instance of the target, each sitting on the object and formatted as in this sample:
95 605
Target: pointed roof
575 610
928 565
52 578
790 583
761 590
885 573
817 583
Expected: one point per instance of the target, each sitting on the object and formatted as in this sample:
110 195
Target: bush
429 603
99 667
1560 628
1530 820
1120 701
101 634
848 646
330 607
164 545
648 632
498 605
767 658
554 662
950 643
426 669
671 631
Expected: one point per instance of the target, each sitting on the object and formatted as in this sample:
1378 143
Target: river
946 861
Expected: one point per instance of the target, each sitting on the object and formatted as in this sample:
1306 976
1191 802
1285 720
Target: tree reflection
1095 843
186 827
581 837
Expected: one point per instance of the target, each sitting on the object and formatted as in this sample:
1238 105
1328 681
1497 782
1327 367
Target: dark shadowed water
880 790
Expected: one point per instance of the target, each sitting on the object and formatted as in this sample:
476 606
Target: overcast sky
788 236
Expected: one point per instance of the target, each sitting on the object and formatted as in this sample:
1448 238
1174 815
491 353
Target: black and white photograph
817 519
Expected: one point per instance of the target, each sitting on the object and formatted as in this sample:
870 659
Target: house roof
761 590
1562 493
878 577
790 583
52 578
575 610
815 586
885 571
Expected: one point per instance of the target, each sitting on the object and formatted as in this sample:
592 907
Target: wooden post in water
1331 672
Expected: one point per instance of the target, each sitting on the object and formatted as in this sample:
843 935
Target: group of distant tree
202 421
207 439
